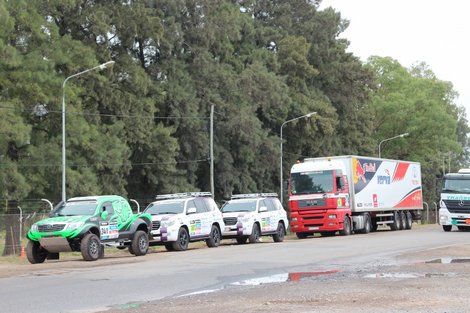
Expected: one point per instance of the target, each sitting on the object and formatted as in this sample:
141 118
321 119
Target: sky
412 31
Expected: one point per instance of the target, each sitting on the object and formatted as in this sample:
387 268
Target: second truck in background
353 193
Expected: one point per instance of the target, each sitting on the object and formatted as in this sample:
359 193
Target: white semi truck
454 207
353 193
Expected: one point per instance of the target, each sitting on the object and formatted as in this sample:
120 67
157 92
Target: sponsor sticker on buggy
108 230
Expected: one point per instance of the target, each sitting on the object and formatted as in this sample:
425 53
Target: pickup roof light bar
183 195
254 195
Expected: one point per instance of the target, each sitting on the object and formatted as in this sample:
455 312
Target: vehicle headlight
34 228
443 218
332 216
294 219
75 225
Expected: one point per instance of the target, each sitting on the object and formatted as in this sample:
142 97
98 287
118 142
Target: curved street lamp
103 66
397 136
283 124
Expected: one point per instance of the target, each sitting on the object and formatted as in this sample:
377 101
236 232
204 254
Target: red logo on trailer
374 200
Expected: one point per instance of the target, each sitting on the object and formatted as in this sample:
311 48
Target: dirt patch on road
436 280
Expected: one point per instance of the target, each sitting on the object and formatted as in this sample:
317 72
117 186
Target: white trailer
353 193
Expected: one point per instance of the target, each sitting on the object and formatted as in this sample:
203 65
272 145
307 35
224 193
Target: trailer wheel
447 227
396 221
346 231
409 220
402 220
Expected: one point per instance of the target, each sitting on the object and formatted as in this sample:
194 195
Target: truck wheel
255 234
402 220
409 220
182 242
303 235
214 237
35 253
140 243
447 227
367 224
90 247
280 233
241 240
396 221
346 231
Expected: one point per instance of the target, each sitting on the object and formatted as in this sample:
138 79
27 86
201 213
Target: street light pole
283 124
108 64
397 136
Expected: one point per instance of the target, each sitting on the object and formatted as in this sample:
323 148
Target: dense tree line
142 128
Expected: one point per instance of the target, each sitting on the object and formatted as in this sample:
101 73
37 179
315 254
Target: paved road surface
78 286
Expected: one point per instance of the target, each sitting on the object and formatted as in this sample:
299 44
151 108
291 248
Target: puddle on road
448 260
281 278
409 275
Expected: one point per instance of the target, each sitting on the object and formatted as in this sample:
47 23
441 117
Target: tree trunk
12 229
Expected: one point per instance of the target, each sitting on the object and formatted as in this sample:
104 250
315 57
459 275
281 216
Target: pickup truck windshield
311 182
76 208
456 185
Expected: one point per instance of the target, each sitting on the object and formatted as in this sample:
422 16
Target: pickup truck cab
250 216
180 218
86 224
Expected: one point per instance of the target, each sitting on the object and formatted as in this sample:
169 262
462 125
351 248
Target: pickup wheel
140 243
447 227
280 233
182 242
35 253
255 234
346 231
241 240
214 237
90 247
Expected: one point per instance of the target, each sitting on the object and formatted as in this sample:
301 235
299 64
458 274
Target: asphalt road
71 286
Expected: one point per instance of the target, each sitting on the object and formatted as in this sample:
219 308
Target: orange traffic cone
22 253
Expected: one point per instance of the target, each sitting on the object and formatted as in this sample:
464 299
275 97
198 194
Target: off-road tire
280 233
140 243
182 241
214 237
35 253
90 247
255 234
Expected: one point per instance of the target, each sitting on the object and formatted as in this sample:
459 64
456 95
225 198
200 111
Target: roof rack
254 195
183 195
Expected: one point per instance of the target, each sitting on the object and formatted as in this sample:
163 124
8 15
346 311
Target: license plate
313 228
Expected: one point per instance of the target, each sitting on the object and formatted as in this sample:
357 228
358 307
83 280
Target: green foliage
142 127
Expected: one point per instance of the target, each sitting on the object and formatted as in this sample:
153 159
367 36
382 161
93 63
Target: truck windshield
456 185
239 206
76 208
311 182
165 207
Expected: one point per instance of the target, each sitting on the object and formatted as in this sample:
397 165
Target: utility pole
212 151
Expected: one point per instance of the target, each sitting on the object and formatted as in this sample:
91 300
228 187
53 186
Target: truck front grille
48 228
458 206
311 203
229 221
155 225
